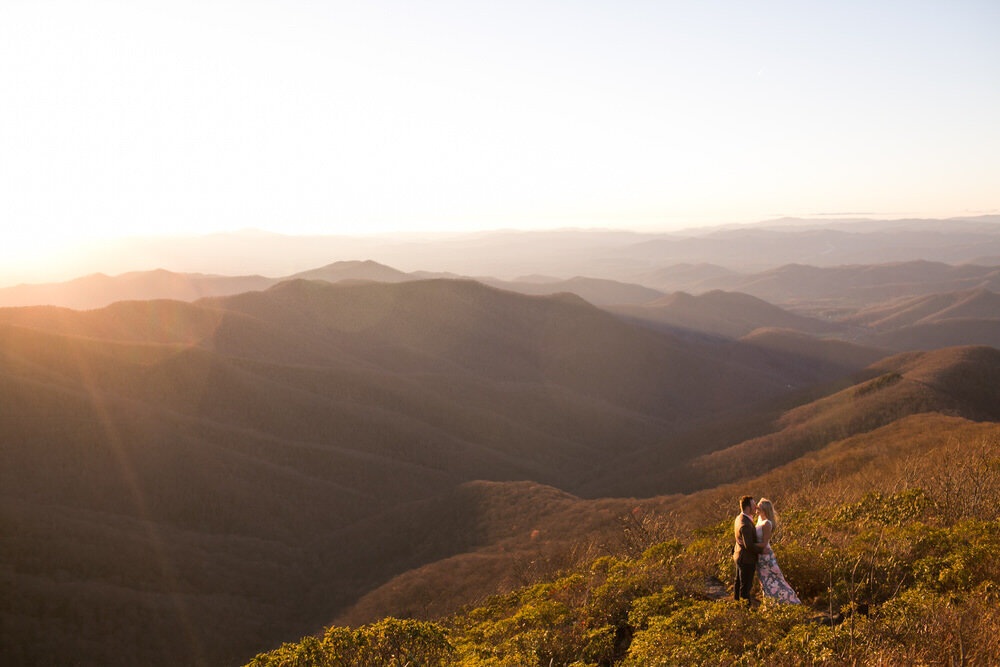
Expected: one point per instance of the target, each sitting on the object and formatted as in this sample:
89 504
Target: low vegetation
895 564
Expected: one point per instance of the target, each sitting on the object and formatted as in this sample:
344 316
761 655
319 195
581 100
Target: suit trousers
744 581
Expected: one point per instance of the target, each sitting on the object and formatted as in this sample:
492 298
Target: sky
134 117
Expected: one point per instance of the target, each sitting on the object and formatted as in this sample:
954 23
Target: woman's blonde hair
767 507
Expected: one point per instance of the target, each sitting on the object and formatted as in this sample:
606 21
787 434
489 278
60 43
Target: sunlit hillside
797 439
885 536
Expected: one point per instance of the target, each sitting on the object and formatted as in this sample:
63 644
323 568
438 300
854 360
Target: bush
932 588
389 642
722 632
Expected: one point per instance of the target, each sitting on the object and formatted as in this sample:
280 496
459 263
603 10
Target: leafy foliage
389 642
900 576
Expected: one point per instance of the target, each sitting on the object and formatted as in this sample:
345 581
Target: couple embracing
753 529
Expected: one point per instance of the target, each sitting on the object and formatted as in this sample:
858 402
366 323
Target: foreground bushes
912 592
891 541
390 642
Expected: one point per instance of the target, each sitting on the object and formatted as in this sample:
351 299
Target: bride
772 582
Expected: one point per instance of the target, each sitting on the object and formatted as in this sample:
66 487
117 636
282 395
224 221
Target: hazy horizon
507 253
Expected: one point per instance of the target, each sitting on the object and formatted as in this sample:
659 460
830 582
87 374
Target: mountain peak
355 270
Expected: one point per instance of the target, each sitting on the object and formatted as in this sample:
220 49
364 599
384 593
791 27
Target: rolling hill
858 295
970 304
353 270
830 243
594 290
872 433
684 276
858 285
970 317
718 313
945 333
99 290
912 501
954 381
511 532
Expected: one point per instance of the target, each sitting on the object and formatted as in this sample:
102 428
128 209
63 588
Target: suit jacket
747 549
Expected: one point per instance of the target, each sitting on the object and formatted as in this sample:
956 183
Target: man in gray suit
746 550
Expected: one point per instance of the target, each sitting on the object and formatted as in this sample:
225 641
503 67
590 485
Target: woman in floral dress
772 582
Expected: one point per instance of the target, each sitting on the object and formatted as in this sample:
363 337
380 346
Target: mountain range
609 254
195 468
855 286
724 314
877 305
99 290
187 472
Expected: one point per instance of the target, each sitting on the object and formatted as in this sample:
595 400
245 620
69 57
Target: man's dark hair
745 502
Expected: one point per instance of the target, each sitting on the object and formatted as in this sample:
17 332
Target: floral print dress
772 582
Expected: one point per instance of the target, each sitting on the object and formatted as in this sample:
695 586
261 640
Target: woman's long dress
772 582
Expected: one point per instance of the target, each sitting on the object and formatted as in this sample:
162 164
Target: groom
746 551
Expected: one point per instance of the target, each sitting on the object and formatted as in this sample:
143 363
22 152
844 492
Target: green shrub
391 641
932 588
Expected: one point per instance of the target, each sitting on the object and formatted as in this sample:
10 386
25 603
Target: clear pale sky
138 117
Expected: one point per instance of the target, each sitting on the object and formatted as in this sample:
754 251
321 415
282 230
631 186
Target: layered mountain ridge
226 450
194 482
